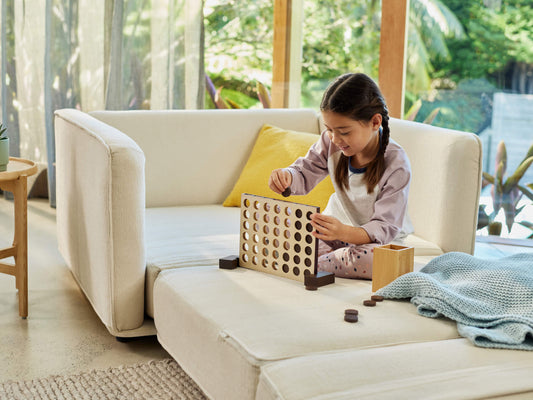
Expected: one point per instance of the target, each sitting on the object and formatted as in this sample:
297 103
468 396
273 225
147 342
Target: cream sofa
141 226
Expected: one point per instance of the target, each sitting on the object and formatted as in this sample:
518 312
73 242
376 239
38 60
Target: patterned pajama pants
346 260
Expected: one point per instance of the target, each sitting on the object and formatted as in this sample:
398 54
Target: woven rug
162 379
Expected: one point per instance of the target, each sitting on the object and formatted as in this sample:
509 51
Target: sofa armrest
100 215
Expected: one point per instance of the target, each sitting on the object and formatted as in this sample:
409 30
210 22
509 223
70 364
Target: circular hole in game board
277 209
287 222
246 236
308 250
255 260
287 234
309 213
246 203
309 239
298 236
308 262
286 257
256 227
275 254
276 231
245 258
256 238
266 241
285 268
277 220
288 210
265 263
246 225
275 265
245 247
266 218
257 205
297 248
255 249
286 245
309 228
296 259
298 225
256 216
307 272
266 207
296 271
298 213
246 214
265 252
275 243
266 229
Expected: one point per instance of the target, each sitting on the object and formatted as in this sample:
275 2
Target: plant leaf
431 117
489 178
501 157
232 104
528 154
509 210
219 101
263 95
210 87
527 224
413 111
513 180
528 193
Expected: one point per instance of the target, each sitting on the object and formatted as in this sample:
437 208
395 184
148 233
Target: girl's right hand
280 179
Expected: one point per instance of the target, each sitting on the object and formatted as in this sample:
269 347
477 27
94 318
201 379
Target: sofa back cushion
190 151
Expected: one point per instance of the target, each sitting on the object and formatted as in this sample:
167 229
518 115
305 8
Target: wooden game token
229 262
376 297
351 318
369 303
286 192
351 311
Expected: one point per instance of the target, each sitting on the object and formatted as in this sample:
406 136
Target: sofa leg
122 339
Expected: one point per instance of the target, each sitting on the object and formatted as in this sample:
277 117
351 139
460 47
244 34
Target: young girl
370 174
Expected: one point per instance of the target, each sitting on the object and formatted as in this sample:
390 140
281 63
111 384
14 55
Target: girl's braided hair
358 97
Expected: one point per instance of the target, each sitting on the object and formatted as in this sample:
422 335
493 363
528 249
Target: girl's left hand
327 227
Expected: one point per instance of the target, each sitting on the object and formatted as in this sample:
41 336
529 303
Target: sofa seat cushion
422 247
187 236
232 322
448 369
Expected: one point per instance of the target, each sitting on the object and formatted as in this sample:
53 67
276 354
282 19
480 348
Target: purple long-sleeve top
383 213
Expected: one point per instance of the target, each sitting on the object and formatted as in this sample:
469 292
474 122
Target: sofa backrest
184 147
445 184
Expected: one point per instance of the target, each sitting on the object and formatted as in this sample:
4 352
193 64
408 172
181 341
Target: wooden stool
14 180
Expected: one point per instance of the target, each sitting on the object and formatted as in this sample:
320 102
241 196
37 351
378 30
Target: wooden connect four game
275 237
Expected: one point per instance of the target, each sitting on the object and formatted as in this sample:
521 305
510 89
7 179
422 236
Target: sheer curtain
93 55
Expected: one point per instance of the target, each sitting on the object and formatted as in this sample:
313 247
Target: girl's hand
280 179
327 227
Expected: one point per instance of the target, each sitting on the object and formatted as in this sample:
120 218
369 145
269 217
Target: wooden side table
14 180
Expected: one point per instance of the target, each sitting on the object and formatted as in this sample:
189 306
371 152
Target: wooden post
392 53
281 53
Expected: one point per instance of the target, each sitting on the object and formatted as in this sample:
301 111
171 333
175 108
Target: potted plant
506 193
4 148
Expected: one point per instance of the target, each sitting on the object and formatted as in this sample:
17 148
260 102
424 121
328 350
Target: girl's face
351 136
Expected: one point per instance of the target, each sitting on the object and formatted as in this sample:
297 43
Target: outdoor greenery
459 53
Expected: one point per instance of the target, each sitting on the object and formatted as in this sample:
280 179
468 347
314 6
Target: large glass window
471 69
238 51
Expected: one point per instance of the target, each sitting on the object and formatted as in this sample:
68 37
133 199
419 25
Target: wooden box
391 261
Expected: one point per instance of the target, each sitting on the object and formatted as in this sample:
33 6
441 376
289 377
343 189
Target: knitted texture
161 380
491 300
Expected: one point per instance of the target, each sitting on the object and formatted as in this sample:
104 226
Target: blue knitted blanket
491 300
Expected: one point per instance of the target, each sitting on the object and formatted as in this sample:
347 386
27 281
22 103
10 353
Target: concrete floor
62 334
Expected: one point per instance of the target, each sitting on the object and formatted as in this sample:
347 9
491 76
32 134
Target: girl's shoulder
395 153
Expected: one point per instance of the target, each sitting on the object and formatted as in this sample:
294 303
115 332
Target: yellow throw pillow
277 148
